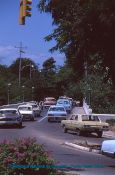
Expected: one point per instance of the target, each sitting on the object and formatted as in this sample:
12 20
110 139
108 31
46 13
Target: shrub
24 152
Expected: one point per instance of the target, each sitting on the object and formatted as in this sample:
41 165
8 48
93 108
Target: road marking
42 119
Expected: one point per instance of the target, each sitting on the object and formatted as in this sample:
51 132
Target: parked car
26 112
49 101
108 148
36 109
84 124
66 103
56 113
10 116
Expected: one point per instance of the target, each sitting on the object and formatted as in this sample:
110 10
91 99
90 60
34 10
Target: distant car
66 103
56 113
36 109
10 116
48 102
85 124
26 112
108 148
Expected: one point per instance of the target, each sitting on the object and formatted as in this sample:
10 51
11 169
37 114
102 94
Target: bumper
9 123
59 118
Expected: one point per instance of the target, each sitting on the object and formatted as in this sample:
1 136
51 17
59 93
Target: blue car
66 103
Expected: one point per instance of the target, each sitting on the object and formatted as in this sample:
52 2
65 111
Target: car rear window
57 109
25 108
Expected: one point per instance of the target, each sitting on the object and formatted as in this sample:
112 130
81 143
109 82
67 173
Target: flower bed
23 157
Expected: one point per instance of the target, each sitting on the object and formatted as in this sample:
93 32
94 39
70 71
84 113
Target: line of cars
58 110
13 116
82 124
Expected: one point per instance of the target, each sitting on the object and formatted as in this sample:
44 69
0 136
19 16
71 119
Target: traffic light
25 10
21 17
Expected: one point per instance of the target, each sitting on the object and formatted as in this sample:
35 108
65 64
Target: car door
71 122
74 122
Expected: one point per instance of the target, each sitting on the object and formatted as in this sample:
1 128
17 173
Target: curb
82 148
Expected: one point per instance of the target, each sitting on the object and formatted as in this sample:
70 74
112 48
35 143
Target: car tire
32 119
20 125
78 132
49 120
64 129
99 133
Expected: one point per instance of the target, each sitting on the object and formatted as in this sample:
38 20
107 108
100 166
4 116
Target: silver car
10 116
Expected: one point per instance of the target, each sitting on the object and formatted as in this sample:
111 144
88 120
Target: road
51 135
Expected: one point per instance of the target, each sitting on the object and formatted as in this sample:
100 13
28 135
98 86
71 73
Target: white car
27 112
36 109
10 116
108 147
56 113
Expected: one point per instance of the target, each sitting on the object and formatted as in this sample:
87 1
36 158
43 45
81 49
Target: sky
31 35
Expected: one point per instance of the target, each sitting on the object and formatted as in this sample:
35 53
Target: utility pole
20 61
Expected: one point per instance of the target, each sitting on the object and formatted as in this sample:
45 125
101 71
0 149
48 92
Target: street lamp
20 69
33 92
89 96
23 88
9 84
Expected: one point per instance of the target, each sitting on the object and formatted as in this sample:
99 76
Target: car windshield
57 109
8 112
89 118
25 108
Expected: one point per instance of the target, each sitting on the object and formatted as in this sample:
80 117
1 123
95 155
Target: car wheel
78 132
99 133
64 129
49 120
20 125
32 119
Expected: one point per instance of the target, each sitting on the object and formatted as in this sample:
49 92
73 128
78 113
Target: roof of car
3 109
57 106
25 105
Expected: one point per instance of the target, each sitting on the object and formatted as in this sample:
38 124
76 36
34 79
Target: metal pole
9 84
23 92
20 64
8 96
30 71
32 92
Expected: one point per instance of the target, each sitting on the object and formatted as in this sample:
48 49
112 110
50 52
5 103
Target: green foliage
83 28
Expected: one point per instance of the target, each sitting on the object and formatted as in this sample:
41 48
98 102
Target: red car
48 101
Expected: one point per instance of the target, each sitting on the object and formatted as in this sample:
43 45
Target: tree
83 28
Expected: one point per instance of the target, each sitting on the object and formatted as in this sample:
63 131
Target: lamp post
89 96
23 88
31 66
9 84
33 92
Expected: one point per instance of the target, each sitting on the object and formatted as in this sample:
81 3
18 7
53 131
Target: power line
21 50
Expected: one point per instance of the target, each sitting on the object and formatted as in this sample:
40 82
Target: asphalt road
51 135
